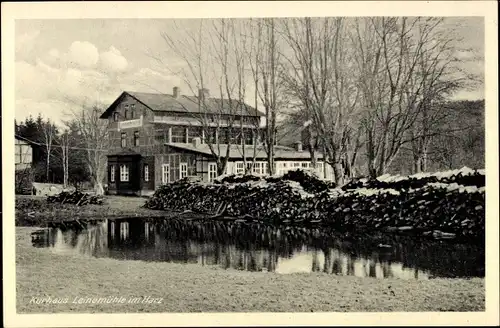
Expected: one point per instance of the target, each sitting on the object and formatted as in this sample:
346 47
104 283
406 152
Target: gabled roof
236 151
184 104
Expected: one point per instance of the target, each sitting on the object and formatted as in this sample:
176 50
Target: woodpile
77 197
437 209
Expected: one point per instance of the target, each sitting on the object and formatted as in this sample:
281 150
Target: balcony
193 121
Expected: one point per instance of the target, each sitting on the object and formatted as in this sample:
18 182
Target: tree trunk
339 173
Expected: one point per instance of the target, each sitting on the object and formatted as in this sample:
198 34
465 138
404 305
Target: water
254 247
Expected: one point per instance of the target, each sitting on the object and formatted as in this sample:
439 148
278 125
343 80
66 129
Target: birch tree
64 142
49 133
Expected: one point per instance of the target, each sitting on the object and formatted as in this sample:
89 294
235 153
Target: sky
61 64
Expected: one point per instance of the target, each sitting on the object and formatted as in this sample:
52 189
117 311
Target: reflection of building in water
89 241
124 230
229 246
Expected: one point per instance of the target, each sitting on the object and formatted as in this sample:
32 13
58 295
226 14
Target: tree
319 76
403 67
93 134
213 56
266 64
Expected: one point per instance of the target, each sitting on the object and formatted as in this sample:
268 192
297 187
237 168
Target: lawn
168 287
35 210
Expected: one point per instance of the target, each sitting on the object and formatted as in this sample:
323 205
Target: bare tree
319 76
94 139
49 133
266 64
65 143
212 56
401 66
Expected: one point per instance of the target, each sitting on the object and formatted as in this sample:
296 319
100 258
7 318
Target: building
23 153
160 138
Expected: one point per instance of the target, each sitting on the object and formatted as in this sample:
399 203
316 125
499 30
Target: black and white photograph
250 158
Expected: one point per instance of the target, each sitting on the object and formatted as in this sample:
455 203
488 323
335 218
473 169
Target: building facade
23 154
159 138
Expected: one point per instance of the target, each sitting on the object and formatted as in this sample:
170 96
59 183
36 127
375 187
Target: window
194 132
124 172
211 136
178 134
212 171
319 168
132 106
146 172
161 135
304 165
296 164
132 114
257 168
248 136
112 173
136 138
183 170
234 135
126 113
115 117
165 173
124 139
240 168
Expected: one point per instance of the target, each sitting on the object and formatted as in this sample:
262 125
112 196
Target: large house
160 138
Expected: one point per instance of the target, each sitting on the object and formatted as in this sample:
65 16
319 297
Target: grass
35 210
192 288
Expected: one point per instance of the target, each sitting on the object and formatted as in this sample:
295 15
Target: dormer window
115 117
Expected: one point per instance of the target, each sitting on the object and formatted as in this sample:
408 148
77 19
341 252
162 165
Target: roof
18 137
124 152
236 151
167 103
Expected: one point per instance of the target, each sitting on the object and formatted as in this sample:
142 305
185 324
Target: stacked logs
77 197
440 209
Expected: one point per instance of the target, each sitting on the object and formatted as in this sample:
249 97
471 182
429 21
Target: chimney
203 94
176 92
298 146
196 141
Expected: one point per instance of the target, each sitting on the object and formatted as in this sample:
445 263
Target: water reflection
254 247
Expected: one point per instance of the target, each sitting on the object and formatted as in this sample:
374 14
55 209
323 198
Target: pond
256 247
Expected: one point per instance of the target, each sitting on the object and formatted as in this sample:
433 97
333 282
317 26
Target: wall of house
23 154
174 160
324 172
142 113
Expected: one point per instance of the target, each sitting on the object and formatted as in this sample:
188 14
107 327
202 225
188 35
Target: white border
69 10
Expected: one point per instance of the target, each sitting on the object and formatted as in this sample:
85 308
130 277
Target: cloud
83 54
113 61
148 80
